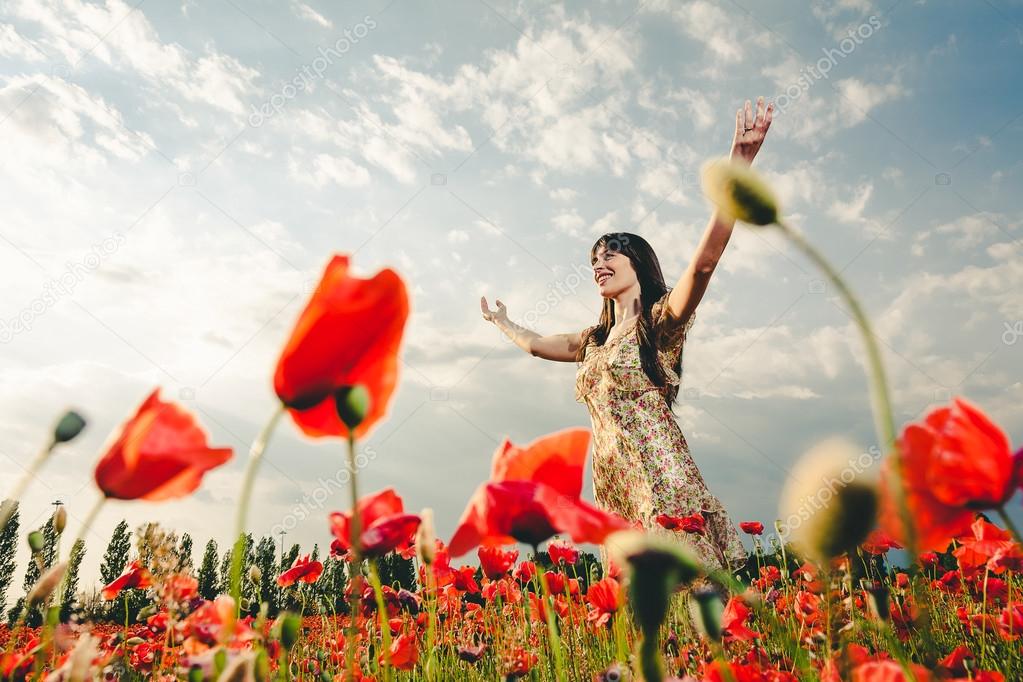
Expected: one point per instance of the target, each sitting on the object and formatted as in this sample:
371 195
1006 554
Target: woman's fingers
738 123
748 120
500 306
759 120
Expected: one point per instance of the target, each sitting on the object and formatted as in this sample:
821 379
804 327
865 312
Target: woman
630 366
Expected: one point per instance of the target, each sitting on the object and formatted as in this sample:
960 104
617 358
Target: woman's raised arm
750 131
558 347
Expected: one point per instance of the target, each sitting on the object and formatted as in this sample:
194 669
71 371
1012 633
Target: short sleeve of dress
670 331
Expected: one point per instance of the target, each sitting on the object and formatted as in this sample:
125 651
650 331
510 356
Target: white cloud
308 13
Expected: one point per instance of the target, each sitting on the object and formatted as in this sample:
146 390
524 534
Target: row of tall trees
165 553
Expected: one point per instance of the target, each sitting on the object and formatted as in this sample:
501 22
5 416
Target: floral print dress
641 461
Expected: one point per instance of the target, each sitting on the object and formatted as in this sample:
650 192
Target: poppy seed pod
46 584
68 427
706 608
255 574
739 191
36 541
828 508
658 567
352 403
60 520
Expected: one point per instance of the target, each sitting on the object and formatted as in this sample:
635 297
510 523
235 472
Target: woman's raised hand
750 130
493 315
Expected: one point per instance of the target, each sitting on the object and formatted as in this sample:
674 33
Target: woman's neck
628 304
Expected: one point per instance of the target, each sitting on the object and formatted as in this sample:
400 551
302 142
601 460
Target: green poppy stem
255 458
11 504
884 420
552 626
385 626
354 577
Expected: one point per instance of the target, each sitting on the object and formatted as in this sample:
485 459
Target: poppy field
912 575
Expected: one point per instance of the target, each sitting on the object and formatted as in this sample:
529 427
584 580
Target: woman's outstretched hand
750 130
493 315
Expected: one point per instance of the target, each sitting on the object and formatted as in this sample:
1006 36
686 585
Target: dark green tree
69 597
330 589
266 562
208 586
397 572
185 563
289 558
8 549
38 563
117 554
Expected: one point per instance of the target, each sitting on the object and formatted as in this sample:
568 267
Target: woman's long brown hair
651 289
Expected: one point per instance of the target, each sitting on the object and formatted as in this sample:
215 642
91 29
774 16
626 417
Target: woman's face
613 272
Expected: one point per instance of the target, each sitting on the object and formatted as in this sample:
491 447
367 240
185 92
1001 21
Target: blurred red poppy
303 570
734 620
562 552
404 651
987 545
159 454
348 334
532 495
524 511
605 598
752 527
496 562
879 542
384 525
135 575
955 461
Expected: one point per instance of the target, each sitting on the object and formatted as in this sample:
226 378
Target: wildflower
562 552
496 562
955 462
303 570
134 576
383 522
604 598
158 454
543 503
348 334
752 527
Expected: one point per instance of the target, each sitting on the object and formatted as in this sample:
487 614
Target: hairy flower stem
89 519
7 511
385 626
354 575
552 626
884 421
255 458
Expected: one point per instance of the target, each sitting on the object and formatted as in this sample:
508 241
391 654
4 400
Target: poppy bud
133 641
426 540
706 609
146 612
36 541
60 520
352 403
195 674
46 584
288 628
739 192
828 509
659 565
69 426
255 574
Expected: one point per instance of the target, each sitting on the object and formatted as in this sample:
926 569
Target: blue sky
187 168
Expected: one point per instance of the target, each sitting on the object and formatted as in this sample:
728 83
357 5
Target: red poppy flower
303 570
496 562
955 461
533 494
734 619
879 542
752 527
135 575
524 572
383 522
465 580
562 552
986 543
605 598
159 454
404 651
348 334
528 512
889 671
